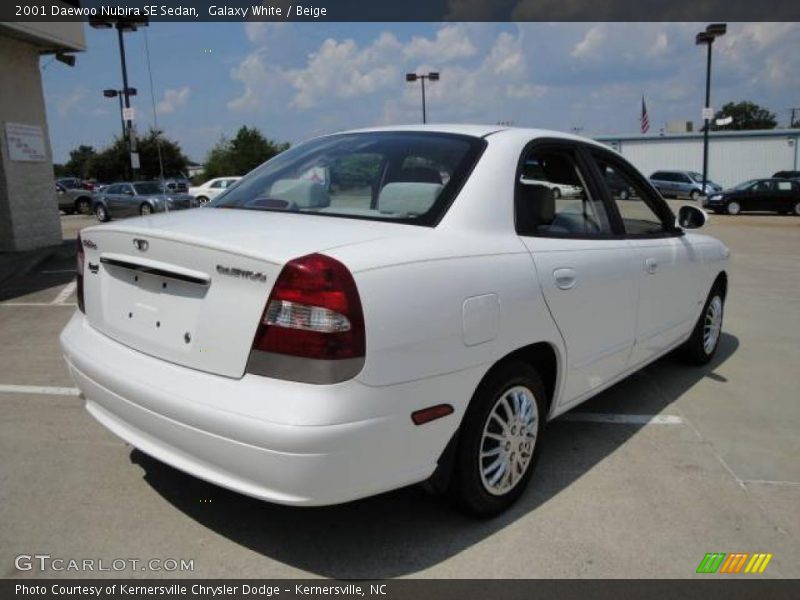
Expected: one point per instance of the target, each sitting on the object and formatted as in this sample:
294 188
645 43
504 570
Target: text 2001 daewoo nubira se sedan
383 307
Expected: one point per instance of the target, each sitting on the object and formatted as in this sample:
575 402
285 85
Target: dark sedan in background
762 195
130 199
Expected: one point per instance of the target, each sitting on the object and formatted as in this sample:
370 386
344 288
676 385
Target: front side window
630 198
553 200
406 177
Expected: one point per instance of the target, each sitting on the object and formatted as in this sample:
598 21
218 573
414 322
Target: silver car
73 200
131 199
683 184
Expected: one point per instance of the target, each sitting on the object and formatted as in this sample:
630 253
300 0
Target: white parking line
583 417
37 304
65 293
39 389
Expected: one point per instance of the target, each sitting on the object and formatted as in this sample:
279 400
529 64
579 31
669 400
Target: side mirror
691 217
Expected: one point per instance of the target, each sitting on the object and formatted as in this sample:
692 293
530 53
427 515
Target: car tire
145 209
701 346
83 206
505 419
695 195
101 213
797 208
624 194
556 193
202 200
733 208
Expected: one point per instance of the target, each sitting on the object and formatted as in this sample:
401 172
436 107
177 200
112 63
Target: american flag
645 121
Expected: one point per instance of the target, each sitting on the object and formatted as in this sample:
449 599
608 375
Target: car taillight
314 311
79 277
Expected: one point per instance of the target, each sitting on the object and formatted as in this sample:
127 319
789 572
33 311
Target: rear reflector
426 415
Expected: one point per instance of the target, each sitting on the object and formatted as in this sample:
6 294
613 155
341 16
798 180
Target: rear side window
553 199
405 177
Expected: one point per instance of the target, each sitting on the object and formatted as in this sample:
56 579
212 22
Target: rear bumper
280 441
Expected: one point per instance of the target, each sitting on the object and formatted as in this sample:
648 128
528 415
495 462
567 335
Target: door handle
651 265
565 278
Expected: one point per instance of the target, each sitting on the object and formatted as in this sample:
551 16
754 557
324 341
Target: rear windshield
389 176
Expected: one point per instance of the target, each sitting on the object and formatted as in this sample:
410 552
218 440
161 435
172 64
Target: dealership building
733 156
29 216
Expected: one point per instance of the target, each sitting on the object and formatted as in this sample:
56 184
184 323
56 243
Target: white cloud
172 100
660 45
451 43
590 43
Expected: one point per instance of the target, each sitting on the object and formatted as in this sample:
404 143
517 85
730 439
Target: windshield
744 185
407 177
148 189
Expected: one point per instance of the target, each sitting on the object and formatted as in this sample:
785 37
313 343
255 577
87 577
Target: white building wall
731 159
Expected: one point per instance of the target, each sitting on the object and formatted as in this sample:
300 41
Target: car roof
480 131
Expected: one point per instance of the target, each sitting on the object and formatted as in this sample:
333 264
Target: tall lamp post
707 38
433 76
119 94
122 25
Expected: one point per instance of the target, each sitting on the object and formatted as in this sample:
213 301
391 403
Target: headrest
301 192
408 198
535 207
419 175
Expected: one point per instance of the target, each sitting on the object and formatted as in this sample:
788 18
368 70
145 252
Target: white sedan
418 314
212 188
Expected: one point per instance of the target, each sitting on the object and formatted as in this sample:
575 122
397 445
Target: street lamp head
411 76
717 29
131 91
434 76
110 93
703 38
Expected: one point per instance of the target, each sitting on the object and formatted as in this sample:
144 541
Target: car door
668 267
129 203
759 197
585 268
111 197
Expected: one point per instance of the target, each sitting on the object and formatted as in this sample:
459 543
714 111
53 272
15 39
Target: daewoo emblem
140 244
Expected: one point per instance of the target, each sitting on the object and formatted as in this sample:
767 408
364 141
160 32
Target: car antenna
156 130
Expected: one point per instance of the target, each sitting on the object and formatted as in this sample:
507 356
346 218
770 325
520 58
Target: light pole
433 76
122 25
119 94
707 37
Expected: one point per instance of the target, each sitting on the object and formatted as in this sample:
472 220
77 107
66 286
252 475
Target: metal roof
699 135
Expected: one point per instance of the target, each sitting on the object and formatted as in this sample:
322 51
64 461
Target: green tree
113 163
80 161
247 150
746 115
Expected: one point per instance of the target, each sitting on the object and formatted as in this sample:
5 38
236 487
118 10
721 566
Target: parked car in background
682 184
71 183
129 199
177 184
532 174
312 344
787 175
764 195
212 188
73 200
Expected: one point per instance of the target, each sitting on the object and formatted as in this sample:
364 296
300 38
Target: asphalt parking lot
617 493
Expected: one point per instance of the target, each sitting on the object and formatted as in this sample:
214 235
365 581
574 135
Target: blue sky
297 80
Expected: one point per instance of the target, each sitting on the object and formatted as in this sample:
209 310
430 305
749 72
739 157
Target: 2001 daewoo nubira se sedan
378 308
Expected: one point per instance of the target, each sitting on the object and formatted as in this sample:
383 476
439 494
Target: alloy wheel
712 324
508 440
